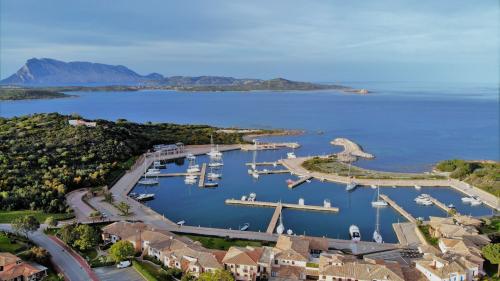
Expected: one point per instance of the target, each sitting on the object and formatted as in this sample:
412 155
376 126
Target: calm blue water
407 126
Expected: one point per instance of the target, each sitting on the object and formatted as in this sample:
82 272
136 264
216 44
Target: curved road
72 269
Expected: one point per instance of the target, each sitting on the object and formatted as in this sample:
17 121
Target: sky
309 40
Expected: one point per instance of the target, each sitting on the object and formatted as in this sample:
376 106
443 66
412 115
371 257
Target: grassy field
147 270
218 243
7 244
332 166
9 216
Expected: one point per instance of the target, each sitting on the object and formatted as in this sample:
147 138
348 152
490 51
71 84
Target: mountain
50 72
53 73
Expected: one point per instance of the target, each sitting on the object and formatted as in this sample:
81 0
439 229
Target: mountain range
48 72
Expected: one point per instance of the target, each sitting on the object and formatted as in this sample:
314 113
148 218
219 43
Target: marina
398 208
282 205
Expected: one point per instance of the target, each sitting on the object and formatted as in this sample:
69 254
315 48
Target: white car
123 264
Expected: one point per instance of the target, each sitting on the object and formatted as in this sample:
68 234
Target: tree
218 275
50 221
121 250
492 253
39 254
87 237
67 233
108 196
124 208
25 225
187 277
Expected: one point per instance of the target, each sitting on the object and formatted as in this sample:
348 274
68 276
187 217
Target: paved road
80 208
111 273
71 268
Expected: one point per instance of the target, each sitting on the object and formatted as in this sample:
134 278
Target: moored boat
245 227
354 233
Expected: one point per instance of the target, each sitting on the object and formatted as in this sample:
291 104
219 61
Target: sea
408 126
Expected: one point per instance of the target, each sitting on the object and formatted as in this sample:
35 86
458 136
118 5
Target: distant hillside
53 73
50 72
29 94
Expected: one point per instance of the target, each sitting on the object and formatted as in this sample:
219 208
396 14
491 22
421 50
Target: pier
299 182
274 219
177 174
276 163
443 206
351 150
283 205
270 172
203 172
269 146
398 208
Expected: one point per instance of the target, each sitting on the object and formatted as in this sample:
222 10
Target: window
275 261
293 262
323 277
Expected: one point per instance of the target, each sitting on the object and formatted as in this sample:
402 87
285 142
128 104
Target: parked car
123 264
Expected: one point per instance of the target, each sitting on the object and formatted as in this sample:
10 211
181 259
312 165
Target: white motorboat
244 198
145 196
146 181
469 199
252 196
190 179
351 186
158 164
373 186
255 174
191 170
423 199
211 183
418 187
214 176
379 202
190 157
181 223
354 233
476 202
291 155
245 226
215 164
289 232
153 171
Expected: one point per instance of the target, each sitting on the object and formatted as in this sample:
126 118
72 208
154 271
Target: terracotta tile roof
13 270
444 271
288 272
124 229
244 256
364 271
8 258
292 247
219 255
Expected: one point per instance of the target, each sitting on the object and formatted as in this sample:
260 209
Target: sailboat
212 175
377 237
193 167
214 151
379 202
351 185
280 228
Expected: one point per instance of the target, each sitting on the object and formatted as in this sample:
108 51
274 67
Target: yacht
289 232
244 198
145 196
215 164
451 206
214 176
190 157
158 164
418 187
373 186
191 170
423 199
255 174
190 179
476 202
379 202
245 226
211 183
181 223
214 150
351 186
354 233
252 196
469 199
291 155
146 181
153 171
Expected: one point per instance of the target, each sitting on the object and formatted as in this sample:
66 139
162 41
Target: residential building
449 228
435 268
243 263
13 268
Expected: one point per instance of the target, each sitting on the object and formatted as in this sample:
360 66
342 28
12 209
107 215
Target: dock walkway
351 150
177 174
443 206
284 205
274 219
203 172
299 182
272 172
398 208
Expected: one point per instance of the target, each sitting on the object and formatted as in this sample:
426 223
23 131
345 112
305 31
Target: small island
30 94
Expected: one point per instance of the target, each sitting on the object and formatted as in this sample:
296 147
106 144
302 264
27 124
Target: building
436 268
449 228
79 122
13 268
343 268
243 263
